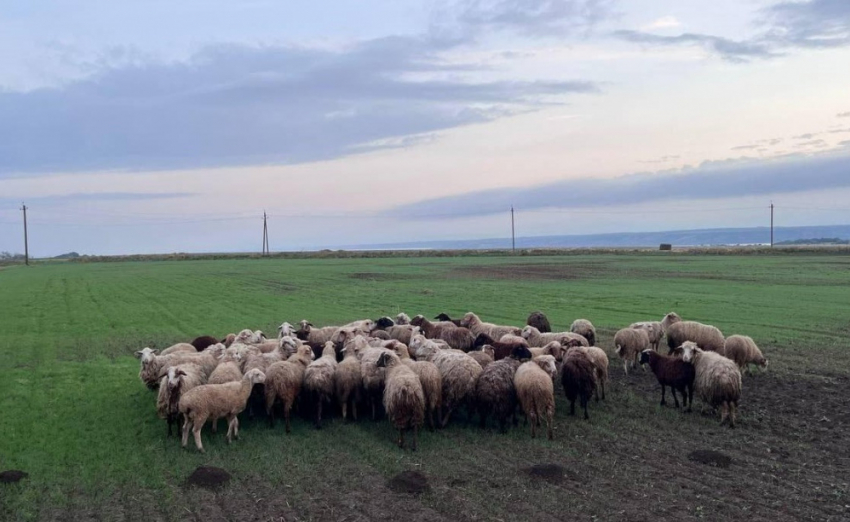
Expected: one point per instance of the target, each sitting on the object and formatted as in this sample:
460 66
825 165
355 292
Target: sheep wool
536 395
717 380
628 343
404 399
744 351
705 336
319 379
584 328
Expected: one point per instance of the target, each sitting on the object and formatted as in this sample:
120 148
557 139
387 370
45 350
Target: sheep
373 376
554 349
495 392
484 356
584 328
500 349
228 369
285 330
653 330
311 334
599 359
319 379
458 371
202 342
228 340
429 377
672 372
548 364
669 320
254 359
705 336
215 401
539 321
536 395
364 325
717 380
179 379
404 399
419 345
402 318
628 343
246 336
153 366
347 380
578 379
284 380
536 339
401 333
743 350
477 326
445 318
455 336
179 348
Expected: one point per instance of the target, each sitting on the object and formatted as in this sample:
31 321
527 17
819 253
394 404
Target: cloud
98 196
813 24
712 180
843 114
662 159
812 143
730 50
237 105
665 22
745 147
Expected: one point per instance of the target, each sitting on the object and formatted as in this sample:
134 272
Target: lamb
178 380
536 395
179 348
458 372
584 328
402 318
599 359
319 379
669 320
484 356
705 336
404 399
455 336
429 377
284 380
347 381
653 330
500 349
578 379
202 342
536 339
215 401
743 350
495 392
672 372
554 349
539 321
477 326
628 343
717 380
445 317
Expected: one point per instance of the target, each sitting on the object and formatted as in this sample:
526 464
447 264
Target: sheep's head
443 317
528 331
284 330
556 349
386 360
547 364
761 361
289 344
402 318
174 377
644 356
519 352
383 322
146 355
417 341
369 325
418 320
689 350
489 350
255 376
304 352
329 350
399 349
246 336
468 319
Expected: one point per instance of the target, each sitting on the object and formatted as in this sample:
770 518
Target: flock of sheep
422 371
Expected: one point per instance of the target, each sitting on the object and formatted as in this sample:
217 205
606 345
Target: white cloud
665 22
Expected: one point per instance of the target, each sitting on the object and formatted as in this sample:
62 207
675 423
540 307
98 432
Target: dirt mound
711 458
411 482
551 473
13 475
208 477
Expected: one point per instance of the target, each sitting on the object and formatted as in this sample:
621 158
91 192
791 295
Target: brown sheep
319 379
705 336
629 342
404 399
429 376
284 380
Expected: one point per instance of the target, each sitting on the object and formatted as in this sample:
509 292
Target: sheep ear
181 372
138 354
155 352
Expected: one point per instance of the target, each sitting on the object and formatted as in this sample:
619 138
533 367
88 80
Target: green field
76 417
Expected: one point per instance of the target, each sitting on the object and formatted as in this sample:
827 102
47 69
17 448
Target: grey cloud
712 180
812 143
843 115
532 17
662 159
813 24
84 197
234 105
731 50
806 136
839 131
745 147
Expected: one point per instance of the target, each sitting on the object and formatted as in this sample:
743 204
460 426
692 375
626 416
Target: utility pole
513 234
26 240
265 235
771 224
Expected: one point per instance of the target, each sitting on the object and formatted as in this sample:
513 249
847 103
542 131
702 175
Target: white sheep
717 380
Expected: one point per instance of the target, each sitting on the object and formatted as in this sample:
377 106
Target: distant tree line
818 241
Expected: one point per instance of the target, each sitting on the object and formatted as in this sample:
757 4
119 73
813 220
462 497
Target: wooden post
26 239
265 235
513 233
771 224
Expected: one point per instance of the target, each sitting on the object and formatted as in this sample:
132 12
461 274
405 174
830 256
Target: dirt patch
379 276
13 475
208 477
551 473
710 458
530 272
410 482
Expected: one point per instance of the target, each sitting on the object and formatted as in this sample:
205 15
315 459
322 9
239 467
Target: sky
156 127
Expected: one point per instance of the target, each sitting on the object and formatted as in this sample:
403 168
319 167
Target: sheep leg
196 431
415 438
584 405
602 385
533 419
573 407
401 438
724 413
675 400
663 391
354 410
626 366
319 414
689 397
549 425
446 417
230 428
214 425
236 427
186 425
733 407
287 410
270 409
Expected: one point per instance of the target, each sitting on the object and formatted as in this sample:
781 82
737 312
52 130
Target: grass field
76 417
